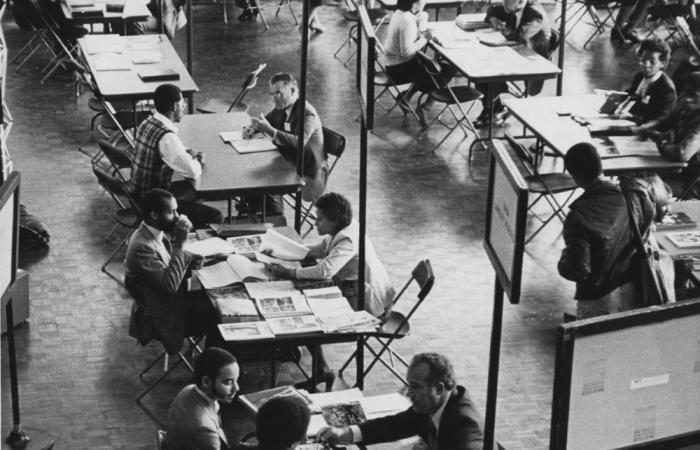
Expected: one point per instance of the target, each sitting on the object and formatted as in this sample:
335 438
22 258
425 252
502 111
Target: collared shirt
646 82
174 153
436 417
288 113
159 236
402 38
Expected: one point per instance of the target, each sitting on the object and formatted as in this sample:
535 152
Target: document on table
259 142
454 39
209 247
104 43
146 56
282 247
107 62
618 146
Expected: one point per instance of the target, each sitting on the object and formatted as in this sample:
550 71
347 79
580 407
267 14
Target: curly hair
281 422
336 208
655 44
440 369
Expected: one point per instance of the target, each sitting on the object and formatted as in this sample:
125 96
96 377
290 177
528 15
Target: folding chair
687 36
397 326
118 158
578 10
334 146
387 85
452 97
257 9
64 38
666 17
377 16
128 214
545 185
30 15
217 105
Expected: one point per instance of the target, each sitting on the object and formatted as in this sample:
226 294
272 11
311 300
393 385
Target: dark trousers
199 214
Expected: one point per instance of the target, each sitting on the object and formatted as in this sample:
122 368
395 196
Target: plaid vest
149 171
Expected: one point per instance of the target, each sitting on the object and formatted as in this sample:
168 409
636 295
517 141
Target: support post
562 47
494 360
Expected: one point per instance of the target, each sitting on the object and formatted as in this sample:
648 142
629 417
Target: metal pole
190 51
17 436
562 46
494 359
360 354
302 106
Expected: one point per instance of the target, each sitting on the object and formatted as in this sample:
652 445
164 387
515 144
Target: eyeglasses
276 94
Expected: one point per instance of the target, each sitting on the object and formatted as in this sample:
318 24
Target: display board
366 54
506 212
9 225
629 380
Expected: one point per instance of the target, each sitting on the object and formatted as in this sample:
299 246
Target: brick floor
77 366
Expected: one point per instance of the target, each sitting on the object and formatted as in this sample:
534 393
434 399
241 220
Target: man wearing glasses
282 126
160 153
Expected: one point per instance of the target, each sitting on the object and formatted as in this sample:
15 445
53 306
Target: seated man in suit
155 271
281 424
442 413
159 153
193 417
282 125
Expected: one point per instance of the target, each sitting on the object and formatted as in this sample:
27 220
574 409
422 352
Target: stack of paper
358 320
294 325
235 269
104 43
234 305
106 62
271 289
146 56
330 307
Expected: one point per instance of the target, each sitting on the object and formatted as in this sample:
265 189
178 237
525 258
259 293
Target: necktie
168 249
432 435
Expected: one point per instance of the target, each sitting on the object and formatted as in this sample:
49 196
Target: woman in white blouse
337 259
408 33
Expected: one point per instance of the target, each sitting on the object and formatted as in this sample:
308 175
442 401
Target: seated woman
337 259
408 34
652 88
678 137
167 16
280 424
522 21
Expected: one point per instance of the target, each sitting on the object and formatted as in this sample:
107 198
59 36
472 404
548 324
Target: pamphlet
265 289
685 239
673 220
107 62
104 43
358 320
245 331
255 400
614 146
329 307
146 56
235 269
323 292
233 304
343 414
209 247
294 325
246 245
292 305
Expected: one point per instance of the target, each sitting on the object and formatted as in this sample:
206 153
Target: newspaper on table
209 247
245 331
282 247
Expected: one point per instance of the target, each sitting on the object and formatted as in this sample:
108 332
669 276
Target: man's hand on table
262 125
333 435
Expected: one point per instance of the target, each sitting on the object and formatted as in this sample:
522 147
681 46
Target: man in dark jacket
442 413
600 252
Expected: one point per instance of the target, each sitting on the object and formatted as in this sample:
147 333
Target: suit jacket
286 141
193 423
660 98
158 310
533 28
460 425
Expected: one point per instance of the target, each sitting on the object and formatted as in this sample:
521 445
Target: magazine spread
255 400
245 331
294 325
245 245
235 269
291 305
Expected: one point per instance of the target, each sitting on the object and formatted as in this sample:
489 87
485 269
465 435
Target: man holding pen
282 126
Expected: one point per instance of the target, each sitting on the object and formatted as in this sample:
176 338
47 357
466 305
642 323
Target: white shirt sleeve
409 40
338 255
176 157
356 434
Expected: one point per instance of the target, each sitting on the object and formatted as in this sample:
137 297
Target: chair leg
347 363
148 367
377 357
112 255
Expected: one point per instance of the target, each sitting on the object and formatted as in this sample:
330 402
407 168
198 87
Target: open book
235 269
293 305
233 305
245 331
258 143
282 247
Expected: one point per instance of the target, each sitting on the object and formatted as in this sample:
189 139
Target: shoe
482 121
328 378
499 119
421 117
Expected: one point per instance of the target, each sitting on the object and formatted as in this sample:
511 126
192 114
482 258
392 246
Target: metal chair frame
586 7
548 193
425 278
380 18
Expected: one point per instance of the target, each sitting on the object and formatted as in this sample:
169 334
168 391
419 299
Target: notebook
158 74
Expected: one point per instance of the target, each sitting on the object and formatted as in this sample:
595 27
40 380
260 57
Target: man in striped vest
160 153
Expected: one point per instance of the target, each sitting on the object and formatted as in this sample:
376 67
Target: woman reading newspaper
337 259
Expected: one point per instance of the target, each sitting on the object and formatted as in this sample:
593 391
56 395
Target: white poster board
9 204
633 380
506 210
